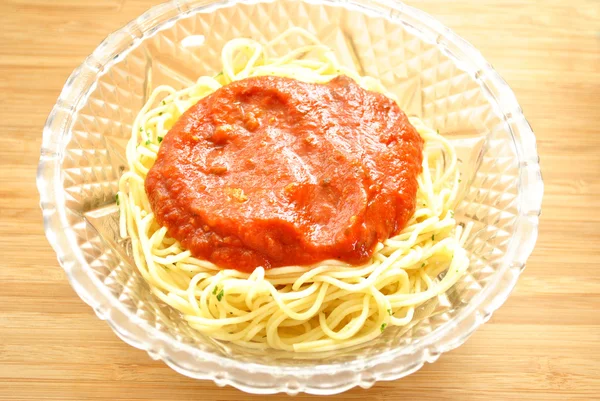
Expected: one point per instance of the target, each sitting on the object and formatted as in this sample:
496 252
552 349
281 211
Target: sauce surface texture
271 171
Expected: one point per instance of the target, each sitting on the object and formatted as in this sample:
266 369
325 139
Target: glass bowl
436 76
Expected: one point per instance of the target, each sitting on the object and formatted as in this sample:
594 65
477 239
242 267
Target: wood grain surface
543 344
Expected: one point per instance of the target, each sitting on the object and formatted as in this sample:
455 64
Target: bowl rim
364 372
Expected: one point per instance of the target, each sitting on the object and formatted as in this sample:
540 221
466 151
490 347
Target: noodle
327 306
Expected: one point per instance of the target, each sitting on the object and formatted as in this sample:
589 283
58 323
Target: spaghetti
326 306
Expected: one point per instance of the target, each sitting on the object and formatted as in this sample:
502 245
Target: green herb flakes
383 326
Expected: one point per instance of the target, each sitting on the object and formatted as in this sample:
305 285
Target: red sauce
271 171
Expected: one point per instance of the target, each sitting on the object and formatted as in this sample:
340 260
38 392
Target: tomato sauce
272 171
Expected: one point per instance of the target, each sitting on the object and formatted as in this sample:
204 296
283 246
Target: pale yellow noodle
327 306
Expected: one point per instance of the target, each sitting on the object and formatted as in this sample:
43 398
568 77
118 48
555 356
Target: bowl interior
430 80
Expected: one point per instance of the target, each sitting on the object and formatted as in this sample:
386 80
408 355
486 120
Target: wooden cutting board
543 344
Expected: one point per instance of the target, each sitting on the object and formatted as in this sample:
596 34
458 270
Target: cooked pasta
322 307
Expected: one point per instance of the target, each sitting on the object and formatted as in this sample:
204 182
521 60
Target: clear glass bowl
436 75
